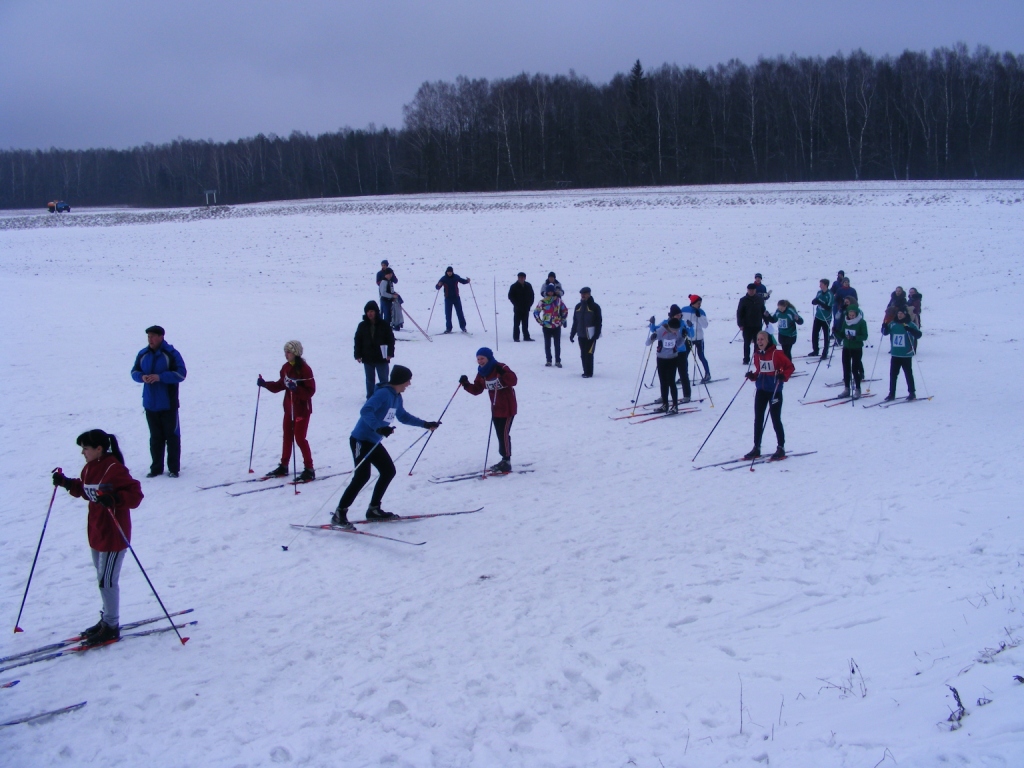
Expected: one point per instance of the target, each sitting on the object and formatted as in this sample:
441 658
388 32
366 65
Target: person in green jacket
855 333
788 319
822 319
902 335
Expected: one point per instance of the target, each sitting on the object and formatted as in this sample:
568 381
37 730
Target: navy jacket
165 361
451 285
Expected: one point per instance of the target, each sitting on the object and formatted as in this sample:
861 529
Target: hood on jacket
371 305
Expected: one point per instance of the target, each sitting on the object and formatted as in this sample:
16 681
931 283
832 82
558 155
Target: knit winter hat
674 310
485 352
550 288
694 298
758 276
449 269
485 369
399 375
295 347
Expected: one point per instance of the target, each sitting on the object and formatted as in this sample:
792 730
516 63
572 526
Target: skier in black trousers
749 317
521 295
586 323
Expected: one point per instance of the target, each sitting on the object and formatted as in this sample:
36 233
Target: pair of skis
480 474
400 519
837 400
897 401
290 483
759 460
41 715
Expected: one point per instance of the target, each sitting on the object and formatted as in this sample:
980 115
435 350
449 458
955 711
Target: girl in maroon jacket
498 379
111 491
297 380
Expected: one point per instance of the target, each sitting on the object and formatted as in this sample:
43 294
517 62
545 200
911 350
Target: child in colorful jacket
788 319
855 333
902 334
771 369
551 313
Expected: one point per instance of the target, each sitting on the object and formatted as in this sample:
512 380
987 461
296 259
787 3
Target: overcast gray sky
112 73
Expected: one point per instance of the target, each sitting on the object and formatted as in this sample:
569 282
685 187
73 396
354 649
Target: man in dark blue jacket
450 282
160 369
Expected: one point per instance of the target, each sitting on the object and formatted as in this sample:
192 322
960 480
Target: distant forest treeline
948 115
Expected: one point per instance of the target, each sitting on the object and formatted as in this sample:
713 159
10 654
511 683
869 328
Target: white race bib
91 491
783 323
899 340
767 366
668 343
389 417
493 385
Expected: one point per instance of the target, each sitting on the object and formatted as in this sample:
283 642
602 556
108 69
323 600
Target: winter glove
260 381
751 376
385 431
431 425
59 480
652 319
290 384
571 338
780 375
464 380
108 499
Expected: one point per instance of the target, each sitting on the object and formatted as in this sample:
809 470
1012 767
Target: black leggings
787 343
683 361
821 325
503 429
895 365
381 459
761 399
667 367
853 364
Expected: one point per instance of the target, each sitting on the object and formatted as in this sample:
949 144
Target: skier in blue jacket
375 420
159 368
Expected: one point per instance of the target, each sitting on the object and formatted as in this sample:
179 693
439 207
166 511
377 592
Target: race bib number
389 417
91 492
668 343
493 385
767 366
899 340
851 333
783 323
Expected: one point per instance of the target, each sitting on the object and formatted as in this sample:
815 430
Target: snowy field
613 607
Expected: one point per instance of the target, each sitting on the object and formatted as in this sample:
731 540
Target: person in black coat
586 323
521 295
749 317
374 346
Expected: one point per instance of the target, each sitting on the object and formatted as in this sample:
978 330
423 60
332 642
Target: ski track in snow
603 610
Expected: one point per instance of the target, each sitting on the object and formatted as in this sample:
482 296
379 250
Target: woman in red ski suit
111 491
771 368
297 380
498 379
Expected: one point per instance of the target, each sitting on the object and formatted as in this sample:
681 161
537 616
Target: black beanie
399 375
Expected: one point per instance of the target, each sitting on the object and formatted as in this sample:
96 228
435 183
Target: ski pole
418 325
719 420
139 563
494 301
410 446
295 450
478 312
695 368
487 453
431 434
738 331
643 372
768 412
920 372
437 292
875 364
252 446
39 546
812 377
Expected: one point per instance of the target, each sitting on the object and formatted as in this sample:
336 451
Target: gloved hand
59 480
779 375
464 380
260 382
652 319
385 431
432 425
290 384
108 499
571 338
751 376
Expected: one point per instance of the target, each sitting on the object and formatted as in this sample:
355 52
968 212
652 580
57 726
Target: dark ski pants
587 347
296 428
455 302
853 364
503 429
821 325
108 574
787 342
381 459
895 365
761 400
683 365
164 430
552 335
667 368
749 337
699 346
385 310
381 371
520 319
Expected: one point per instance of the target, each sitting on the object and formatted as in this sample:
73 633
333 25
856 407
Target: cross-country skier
845 296
855 333
296 379
391 301
551 313
450 282
695 320
374 346
822 318
902 333
112 492
499 380
771 370
669 337
375 423
681 354
788 319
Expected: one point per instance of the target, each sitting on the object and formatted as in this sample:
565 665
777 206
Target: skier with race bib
771 369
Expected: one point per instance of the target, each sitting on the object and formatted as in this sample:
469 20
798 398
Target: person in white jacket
695 320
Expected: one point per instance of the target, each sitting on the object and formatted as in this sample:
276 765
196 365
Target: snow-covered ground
613 607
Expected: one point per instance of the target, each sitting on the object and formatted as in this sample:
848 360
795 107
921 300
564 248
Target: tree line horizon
949 114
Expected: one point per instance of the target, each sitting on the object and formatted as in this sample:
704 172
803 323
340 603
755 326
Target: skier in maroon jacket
297 380
498 379
111 491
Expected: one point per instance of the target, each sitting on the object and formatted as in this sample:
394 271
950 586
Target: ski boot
307 475
502 467
888 398
912 396
105 634
280 471
844 393
340 519
780 453
374 512
753 453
